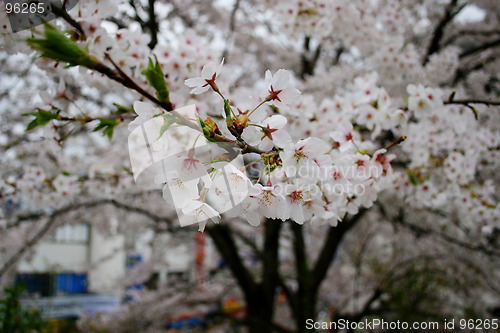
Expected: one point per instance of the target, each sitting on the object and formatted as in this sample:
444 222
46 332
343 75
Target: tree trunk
260 310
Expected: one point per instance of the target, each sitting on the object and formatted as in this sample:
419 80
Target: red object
199 257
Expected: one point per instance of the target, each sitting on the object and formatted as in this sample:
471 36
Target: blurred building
79 270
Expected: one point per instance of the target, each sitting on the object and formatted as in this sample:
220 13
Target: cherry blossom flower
180 193
303 200
199 212
145 112
274 133
423 100
344 136
280 93
247 210
187 165
209 73
229 188
300 159
268 202
380 158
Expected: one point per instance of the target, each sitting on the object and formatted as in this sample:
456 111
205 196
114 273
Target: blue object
133 260
71 283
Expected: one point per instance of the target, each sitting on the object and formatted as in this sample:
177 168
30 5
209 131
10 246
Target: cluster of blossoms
320 178
379 32
296 178
446 147
263 149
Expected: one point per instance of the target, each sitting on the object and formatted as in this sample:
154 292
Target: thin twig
480 48
61 12
471 101
450 13
467 33
462 73
231 28
128 82
120 76
395 142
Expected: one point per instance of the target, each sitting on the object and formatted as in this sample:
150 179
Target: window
78 233
47 284
39 284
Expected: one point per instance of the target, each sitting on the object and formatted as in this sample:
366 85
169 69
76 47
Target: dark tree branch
309 63
338 53
480 48
299 248
421 231
366 310
189 22
119 23
92 204
28 245
259 296
231 27
143 212
466 245
466 102
224 242
270 264
270 251
290 297
304 300
120 76
137 17
61 12
330 246
250 243
450 12
389 279
152 24
462 73
467 33
269 254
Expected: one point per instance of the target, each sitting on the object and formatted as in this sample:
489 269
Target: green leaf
452 96
58 47
200 122
122 109
415 177
42 117
107 125
476 114
169 121
204 128
228 111
156 79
